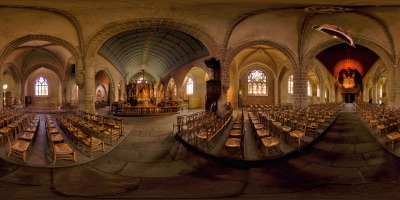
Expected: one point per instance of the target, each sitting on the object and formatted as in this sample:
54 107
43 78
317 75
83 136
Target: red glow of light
345 64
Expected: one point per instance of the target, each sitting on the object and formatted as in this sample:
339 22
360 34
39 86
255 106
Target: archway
43 86
103 87
193 89
269 61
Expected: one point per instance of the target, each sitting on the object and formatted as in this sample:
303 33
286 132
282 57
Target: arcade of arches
88 55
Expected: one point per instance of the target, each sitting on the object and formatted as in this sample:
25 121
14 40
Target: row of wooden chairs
235 143
101 120
57 146
21 135
103 130
285 123
382 120
194 120
208 134
80 138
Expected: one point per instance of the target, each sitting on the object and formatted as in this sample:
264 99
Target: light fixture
5 86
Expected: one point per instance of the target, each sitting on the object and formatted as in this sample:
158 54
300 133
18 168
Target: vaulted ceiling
156 50
34 54
330 57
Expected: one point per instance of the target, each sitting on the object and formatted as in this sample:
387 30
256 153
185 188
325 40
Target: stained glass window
290 84
41 87
257 83
189 86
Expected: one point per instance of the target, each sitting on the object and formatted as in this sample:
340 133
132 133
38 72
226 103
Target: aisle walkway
346 162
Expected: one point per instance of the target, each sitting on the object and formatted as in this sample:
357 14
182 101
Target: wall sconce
5 86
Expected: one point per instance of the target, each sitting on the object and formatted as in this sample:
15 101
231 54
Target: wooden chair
236 145
299 133
16 146
270 143
59 150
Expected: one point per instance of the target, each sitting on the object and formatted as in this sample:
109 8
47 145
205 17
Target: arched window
257 83
318 92
41 87
189 86
380 91
290 84
309 90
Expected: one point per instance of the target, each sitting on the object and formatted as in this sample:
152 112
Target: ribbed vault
157 50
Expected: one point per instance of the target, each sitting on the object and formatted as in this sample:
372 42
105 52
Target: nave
346 162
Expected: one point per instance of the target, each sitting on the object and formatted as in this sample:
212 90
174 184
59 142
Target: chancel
212 99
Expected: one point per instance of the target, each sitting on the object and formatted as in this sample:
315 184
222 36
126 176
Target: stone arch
110 96
12 69
232 53
242 79
15 43
380 51
40 65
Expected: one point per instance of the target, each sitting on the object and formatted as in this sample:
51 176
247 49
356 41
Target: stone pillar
276 92
322 92
374 92
89 87
392 86
300 98
2 90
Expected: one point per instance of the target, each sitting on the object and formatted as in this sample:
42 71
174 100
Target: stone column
300 98
276 92
322 92
374 92
392 86
89 89
2 90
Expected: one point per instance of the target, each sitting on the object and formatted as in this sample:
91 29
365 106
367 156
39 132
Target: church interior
212 99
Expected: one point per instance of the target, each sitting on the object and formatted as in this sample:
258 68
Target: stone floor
345 163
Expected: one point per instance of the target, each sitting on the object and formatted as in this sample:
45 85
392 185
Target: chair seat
381 126
20 145
13 125
5 130
202 135
297 134
31 129
258 126
374 121
312 125
27 136
56 137
262 133
34 124
238 121
233 142
393 136
286 128
237 126
277 123
62 148
95 141
255 121
53 130
235 133
269 141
